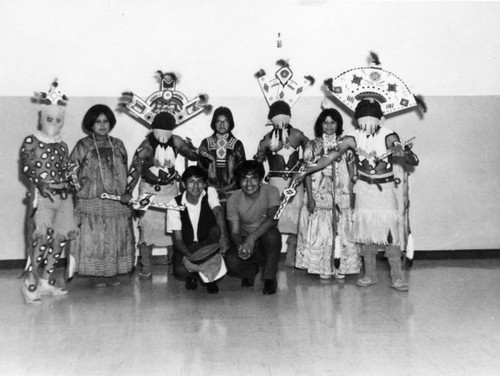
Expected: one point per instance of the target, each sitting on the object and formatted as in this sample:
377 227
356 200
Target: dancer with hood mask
45 162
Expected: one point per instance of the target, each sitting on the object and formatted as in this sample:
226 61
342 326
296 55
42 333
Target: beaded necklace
106 189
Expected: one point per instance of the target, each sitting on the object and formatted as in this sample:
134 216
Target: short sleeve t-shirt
250 213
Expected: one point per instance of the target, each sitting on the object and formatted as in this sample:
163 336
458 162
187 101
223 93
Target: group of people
223 212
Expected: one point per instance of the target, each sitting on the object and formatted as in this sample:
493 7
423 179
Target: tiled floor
448 324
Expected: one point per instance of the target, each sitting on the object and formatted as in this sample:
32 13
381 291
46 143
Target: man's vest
205 223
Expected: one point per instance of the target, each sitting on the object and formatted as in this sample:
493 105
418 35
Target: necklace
106 189
329 142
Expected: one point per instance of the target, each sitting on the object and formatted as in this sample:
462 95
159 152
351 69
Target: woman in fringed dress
105 246
327 210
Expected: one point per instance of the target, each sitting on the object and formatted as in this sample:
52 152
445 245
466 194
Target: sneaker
399 285
212 288
270 287
31 294
366 281
46 287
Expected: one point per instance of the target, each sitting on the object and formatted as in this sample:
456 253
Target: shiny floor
448 324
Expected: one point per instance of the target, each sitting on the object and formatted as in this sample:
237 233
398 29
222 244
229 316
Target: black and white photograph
249 187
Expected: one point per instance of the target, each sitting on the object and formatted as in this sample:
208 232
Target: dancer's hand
125 198
311 205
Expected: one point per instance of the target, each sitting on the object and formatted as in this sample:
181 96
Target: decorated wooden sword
396 147
289 192
145 202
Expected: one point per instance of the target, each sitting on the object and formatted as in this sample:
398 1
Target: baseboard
20 264
458 254
461 254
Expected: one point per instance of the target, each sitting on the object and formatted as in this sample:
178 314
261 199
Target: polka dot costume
44 161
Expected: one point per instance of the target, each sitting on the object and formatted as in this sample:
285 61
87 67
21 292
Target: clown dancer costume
153 164
375 221
45 162
282 147
224 152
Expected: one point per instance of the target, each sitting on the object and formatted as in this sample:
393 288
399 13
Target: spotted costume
51 223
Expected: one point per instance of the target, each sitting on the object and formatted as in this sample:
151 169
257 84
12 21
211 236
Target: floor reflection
446 325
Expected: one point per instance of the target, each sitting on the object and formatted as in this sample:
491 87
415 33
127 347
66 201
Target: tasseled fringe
371 227
28 263
284 138
336 253
410 250
274 143
71 268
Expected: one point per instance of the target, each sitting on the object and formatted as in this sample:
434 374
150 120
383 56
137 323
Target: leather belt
59 191
160 182
376 181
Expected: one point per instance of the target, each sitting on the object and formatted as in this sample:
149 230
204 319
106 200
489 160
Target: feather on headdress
282 85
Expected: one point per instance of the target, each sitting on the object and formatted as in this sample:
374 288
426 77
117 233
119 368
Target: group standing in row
226 213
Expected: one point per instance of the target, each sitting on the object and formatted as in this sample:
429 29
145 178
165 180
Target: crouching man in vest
199 232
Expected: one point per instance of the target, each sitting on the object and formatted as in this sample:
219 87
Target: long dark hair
94 112
222 111
335 115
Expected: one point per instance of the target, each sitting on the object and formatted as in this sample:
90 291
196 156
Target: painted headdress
281 91
282 86
167 99
53 96
372 82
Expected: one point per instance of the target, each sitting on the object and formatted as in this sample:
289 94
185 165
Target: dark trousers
266 252
180 270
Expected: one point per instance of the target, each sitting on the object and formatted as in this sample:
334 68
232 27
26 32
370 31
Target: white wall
100 48
447 51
